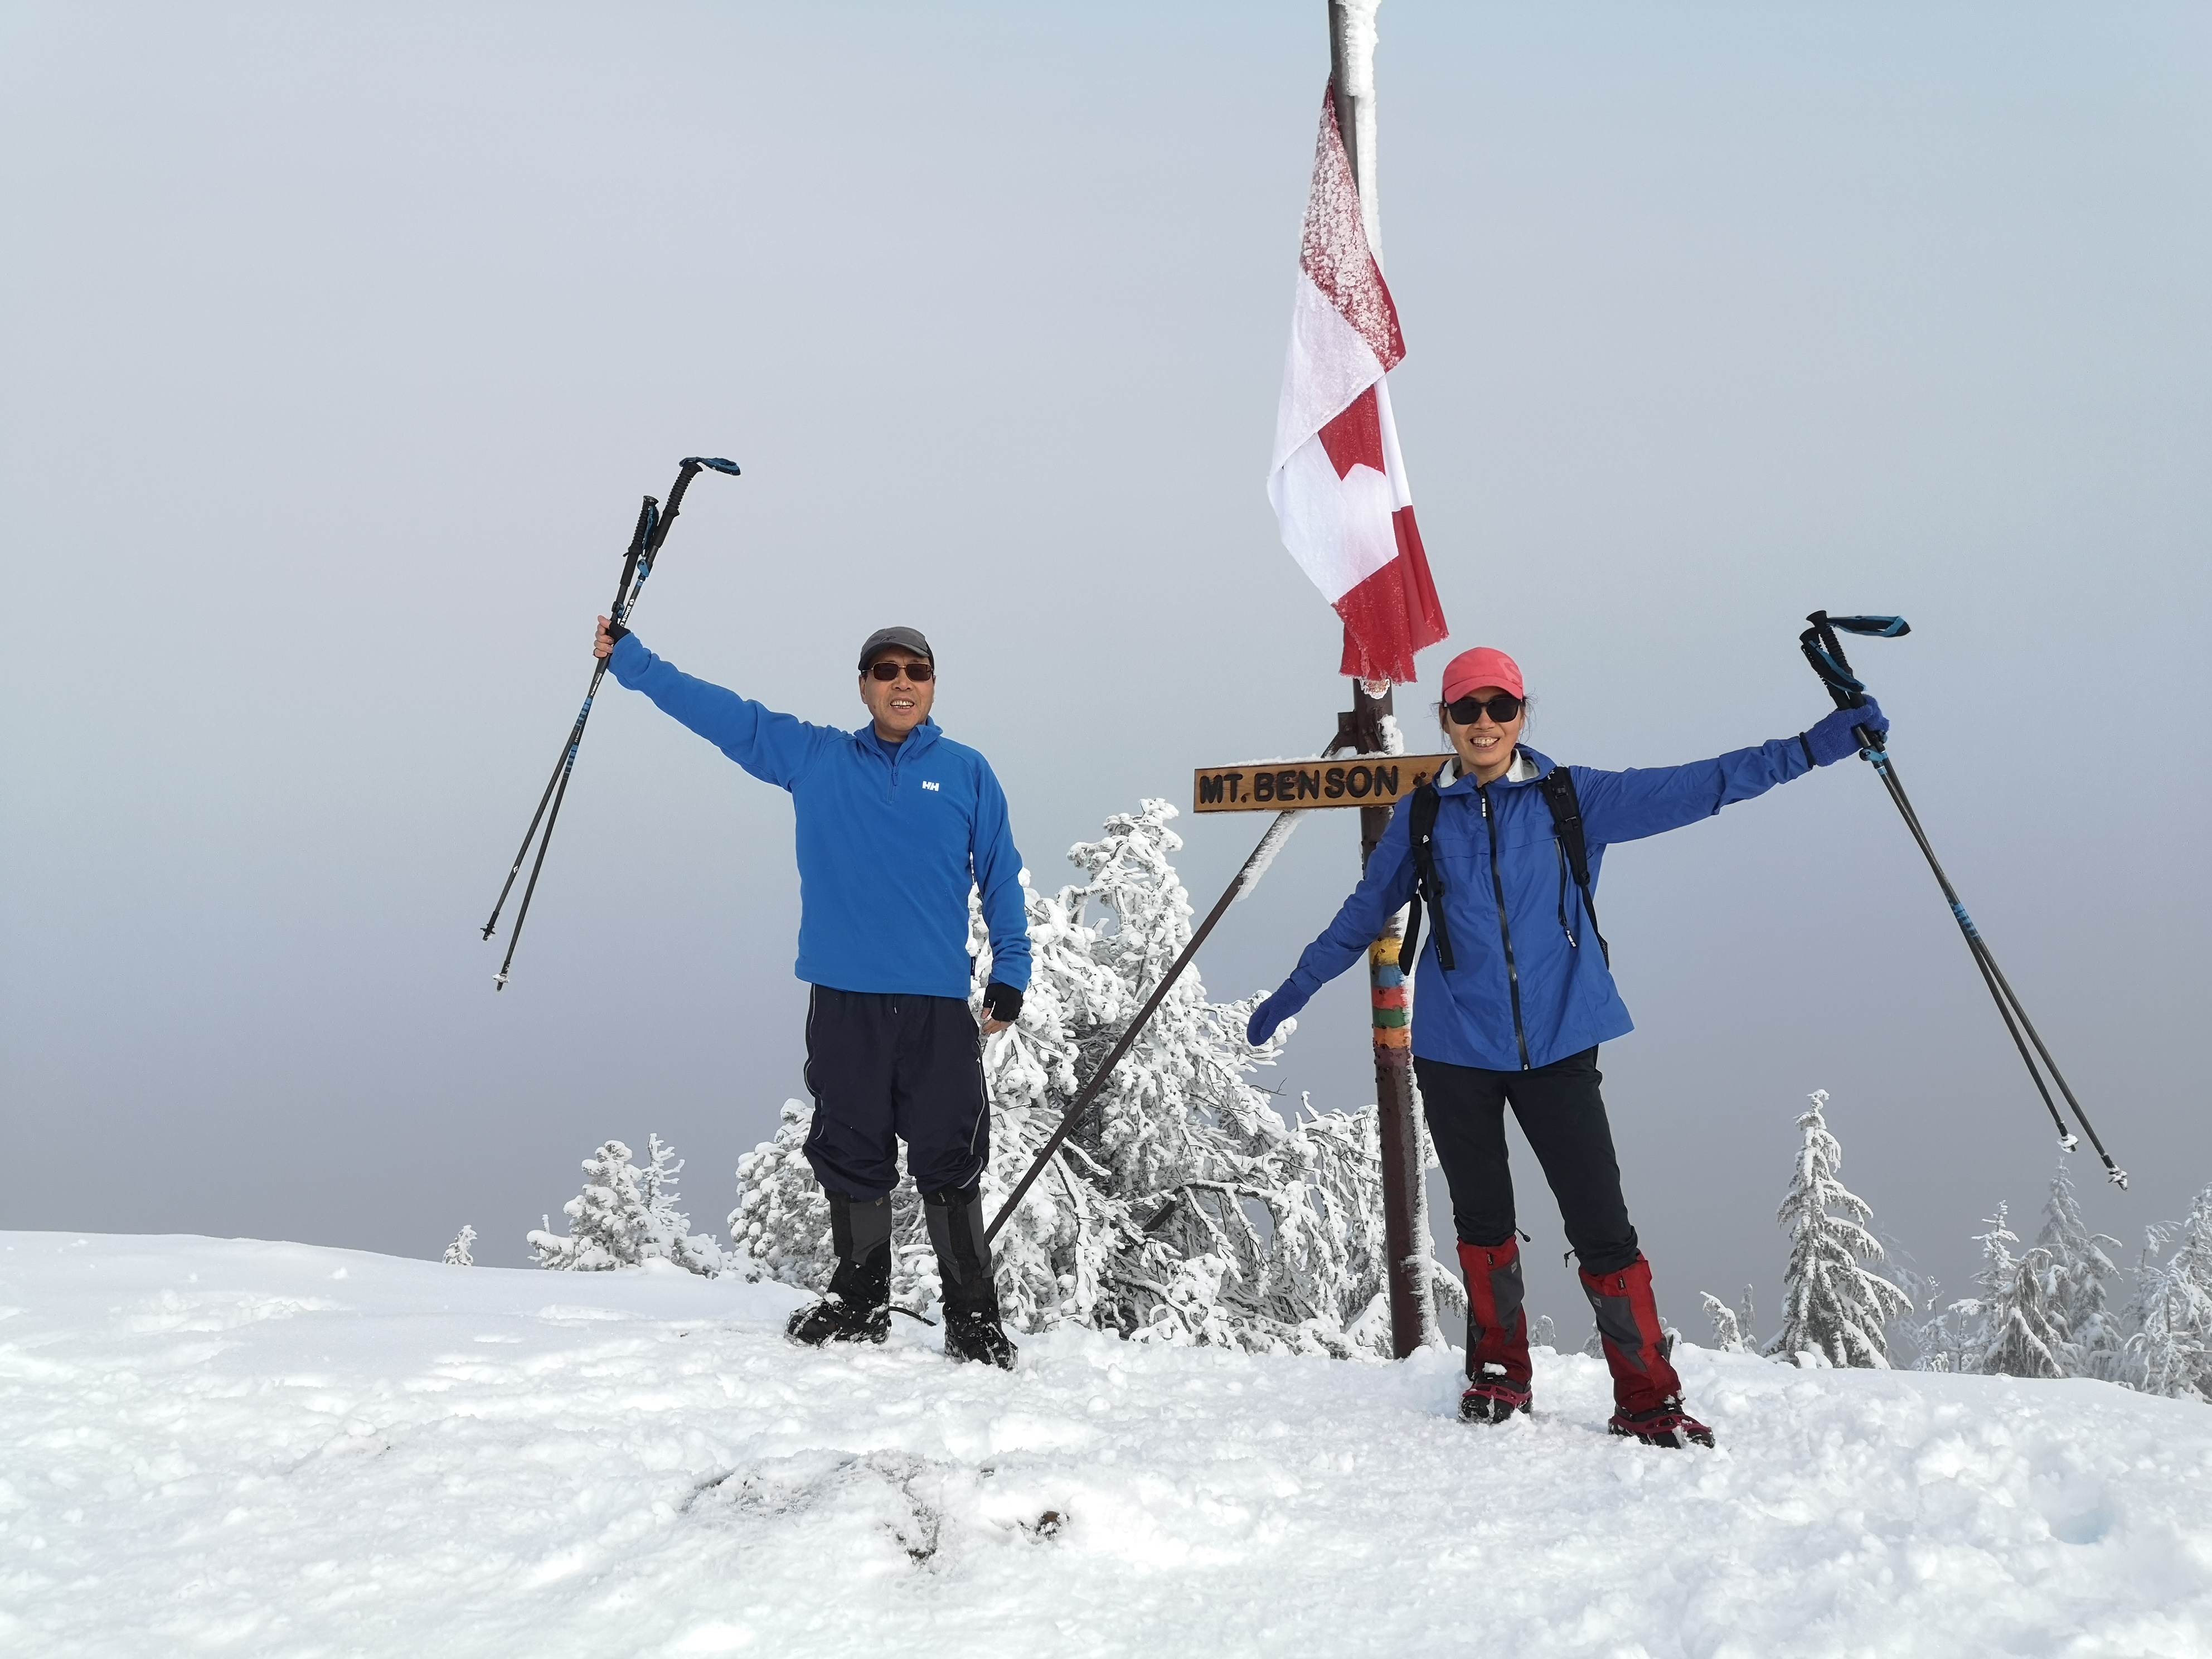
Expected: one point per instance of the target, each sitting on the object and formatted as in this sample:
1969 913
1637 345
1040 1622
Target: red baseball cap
1470 671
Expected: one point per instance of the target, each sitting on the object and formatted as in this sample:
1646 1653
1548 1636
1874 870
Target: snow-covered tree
1832 1305
1732 1327
1183 1208
2087 1328
458 1253
1937 1333
2010 1332
2170 1353
627 1215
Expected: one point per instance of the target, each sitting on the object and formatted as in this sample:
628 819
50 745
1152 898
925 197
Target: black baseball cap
906 639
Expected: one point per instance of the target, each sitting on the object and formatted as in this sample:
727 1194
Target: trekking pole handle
638 539
1824 652
684 473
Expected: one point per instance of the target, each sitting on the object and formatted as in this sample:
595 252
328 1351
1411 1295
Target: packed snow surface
237 1448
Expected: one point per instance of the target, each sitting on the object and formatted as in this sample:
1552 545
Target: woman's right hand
1268 1018
604 646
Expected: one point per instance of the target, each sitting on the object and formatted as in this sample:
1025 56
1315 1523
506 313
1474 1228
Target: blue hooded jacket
891 837
1507 889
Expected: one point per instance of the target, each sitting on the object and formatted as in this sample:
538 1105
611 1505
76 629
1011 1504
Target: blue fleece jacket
892 837
1506 888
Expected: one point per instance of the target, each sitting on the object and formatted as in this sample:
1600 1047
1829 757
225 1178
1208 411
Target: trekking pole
1247 877
1826 654
645 542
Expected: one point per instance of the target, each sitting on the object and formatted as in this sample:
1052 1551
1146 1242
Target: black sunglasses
890 669
1502 708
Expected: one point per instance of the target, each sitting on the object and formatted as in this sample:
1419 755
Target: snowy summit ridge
228 1447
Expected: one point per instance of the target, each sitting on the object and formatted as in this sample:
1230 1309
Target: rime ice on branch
1184 1209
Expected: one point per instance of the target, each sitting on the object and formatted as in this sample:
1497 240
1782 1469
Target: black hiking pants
1563 1114
885 1067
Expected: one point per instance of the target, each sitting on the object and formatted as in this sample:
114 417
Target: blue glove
1834 739
1268 1016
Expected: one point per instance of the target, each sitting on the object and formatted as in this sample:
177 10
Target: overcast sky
340 344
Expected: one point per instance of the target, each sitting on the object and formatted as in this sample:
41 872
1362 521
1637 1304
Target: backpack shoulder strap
1559 787
1428 883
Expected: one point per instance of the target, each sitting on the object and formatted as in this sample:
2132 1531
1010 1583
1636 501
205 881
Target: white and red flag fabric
1338 483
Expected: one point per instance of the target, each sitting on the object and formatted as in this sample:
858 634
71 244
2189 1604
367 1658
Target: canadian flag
1339 485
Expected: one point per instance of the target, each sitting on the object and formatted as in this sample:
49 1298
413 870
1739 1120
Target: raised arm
1643 801
775 748
1382 891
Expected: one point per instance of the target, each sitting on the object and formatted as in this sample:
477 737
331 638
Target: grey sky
342 342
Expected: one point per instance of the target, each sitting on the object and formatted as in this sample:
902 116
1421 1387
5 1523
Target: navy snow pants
1563 1114
885 1067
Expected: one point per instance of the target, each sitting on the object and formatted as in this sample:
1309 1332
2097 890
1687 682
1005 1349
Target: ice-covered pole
1351 75
1351 38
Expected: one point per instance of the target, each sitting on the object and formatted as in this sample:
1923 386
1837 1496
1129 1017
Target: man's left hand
1002 1006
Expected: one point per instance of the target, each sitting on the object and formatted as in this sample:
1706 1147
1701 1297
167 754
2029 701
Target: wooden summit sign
1343 780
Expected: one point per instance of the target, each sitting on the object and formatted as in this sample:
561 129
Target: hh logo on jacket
927 784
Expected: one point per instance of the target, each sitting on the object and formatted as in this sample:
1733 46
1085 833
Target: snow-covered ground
237 1448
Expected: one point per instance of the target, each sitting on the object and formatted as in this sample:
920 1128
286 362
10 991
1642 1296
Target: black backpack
1559 787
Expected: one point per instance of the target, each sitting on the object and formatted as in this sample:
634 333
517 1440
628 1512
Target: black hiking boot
1665 1425
857 1308
972 1326
975 1333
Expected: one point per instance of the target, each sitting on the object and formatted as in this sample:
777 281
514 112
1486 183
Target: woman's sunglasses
889 670
1502 708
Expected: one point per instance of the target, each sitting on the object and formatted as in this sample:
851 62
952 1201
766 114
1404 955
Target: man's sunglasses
1502 708
890 669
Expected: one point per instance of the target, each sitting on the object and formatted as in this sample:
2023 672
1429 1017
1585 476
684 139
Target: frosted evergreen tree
1938 1334
2171 1351
1832 1306
2086 1326
626 1216
1184 1209
2011 1329
1727 1329
1732 1327
458 1254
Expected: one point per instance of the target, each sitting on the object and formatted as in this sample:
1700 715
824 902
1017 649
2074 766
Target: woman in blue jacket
1517 1018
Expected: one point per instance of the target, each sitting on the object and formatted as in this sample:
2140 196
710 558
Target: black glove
1002 1002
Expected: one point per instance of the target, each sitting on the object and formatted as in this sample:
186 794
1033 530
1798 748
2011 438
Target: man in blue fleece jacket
896 824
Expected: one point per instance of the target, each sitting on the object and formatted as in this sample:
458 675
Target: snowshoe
975 1333
972 1328
1498 1367
1665 1425
834 1319
1492 1397
857 1308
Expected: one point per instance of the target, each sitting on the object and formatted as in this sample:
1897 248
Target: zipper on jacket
1504 933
